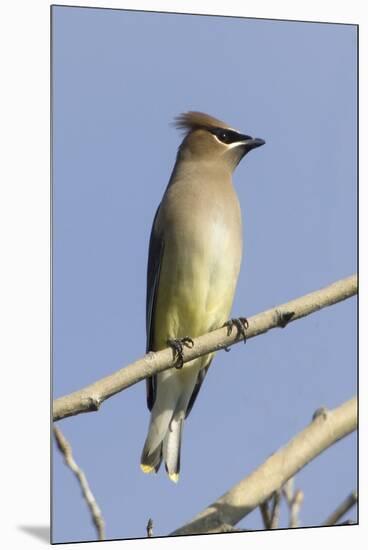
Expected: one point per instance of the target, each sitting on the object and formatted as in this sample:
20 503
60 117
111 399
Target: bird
194 258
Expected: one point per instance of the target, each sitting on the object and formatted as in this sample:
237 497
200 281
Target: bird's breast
200 266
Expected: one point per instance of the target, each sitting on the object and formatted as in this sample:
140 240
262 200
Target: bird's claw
177 345
241 325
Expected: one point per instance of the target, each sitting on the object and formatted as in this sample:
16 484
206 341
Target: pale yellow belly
195 294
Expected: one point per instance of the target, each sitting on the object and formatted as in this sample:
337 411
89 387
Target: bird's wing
155 254
201 376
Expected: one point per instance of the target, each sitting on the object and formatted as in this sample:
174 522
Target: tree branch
90 398
341 510
321 433
294 499
66 450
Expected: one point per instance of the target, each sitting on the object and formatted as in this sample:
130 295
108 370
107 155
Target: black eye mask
228 136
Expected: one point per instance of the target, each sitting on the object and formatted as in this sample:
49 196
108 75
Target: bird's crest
193 120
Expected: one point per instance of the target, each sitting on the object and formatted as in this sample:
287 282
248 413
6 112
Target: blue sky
119 80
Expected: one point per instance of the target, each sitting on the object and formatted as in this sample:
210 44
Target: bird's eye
224 136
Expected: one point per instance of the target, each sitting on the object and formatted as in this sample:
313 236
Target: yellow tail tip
174 477
147 469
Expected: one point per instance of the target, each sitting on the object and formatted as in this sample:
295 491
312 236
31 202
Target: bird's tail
165 432
150 462
168 449
171 447
153 447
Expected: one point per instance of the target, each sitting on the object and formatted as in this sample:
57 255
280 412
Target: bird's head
211 140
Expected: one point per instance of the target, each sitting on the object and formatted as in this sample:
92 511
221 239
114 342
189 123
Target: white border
24 230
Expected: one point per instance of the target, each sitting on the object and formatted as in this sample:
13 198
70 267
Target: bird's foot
177 345
241 325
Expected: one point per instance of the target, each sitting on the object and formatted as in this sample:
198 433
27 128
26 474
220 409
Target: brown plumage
195 120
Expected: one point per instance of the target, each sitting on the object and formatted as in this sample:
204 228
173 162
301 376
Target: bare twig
288 488
265 513
149 528
294 499
271 516
239 501
341 510
90 398
295 508
275 514
66 450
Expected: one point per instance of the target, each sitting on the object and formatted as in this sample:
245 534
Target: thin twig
90 398
238 502
288 488
149 528
265 513
275 513
294 499
270 511
342 509
66 450
295 506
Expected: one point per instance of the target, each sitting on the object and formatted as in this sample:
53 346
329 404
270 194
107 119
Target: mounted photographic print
204 196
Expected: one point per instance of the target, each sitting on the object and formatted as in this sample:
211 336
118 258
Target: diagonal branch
238 502
90 398
344 507
66 451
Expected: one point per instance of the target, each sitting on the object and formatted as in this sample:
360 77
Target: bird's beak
252 143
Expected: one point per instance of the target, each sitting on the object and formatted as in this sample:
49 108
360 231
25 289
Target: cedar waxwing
193 265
